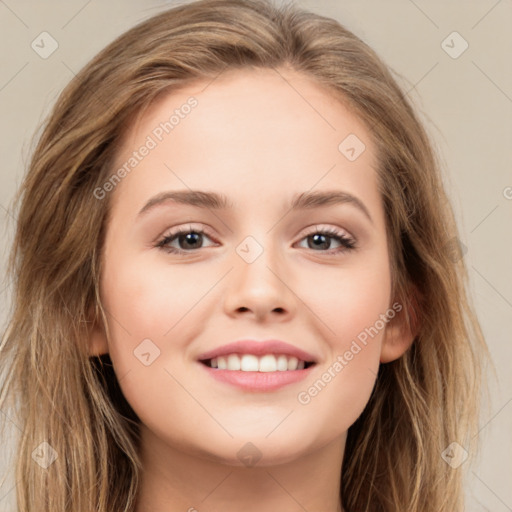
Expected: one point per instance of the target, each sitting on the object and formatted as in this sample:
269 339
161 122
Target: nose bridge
256 259
259 277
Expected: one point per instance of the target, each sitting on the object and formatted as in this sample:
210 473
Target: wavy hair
421 403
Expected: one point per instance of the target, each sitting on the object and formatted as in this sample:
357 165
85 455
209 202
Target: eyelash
346 242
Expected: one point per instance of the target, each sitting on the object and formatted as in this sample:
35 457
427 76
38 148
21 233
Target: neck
178 481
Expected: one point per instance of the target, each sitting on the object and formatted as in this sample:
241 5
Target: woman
266 369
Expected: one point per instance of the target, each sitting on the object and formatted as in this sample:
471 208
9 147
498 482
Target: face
181 280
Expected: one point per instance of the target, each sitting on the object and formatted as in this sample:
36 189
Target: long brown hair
421 403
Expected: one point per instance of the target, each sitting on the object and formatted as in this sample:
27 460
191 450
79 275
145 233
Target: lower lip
258 381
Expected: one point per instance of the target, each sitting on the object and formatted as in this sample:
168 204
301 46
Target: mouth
258 366
253 363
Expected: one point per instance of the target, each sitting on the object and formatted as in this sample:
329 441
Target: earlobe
399 334
98 344
397 340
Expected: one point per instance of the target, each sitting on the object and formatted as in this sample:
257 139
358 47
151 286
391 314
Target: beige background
466 103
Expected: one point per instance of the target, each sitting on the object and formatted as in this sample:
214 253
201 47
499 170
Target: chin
257 450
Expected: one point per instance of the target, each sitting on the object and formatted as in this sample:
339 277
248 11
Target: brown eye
321 241
187 240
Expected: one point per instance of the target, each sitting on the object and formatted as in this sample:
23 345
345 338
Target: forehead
250 132
278 97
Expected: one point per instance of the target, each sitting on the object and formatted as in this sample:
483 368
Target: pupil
189 237
318 238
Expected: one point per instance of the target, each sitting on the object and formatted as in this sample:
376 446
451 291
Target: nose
260 289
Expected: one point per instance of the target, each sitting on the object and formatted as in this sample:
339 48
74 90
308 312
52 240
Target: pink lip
258 348
258 381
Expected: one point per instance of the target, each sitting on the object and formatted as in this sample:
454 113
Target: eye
321 239
186 239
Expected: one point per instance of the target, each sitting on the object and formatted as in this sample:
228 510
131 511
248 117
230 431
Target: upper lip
258 348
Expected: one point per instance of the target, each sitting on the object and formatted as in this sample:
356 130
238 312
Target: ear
400 332
98 344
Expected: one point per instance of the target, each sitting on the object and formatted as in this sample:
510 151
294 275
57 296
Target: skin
259 137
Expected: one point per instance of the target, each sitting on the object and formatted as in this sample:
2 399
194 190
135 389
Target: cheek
151 320
151 301
351 308
349 299
145 313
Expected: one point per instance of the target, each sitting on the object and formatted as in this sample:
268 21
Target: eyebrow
216 201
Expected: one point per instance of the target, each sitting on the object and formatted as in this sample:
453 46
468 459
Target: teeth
268 363
246 363
233 362
292 363
252 363
282 363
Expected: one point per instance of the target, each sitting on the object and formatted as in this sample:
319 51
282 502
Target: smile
254 363
251 373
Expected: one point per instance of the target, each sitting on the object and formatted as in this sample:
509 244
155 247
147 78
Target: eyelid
191 226
325 227
304 232
347 241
